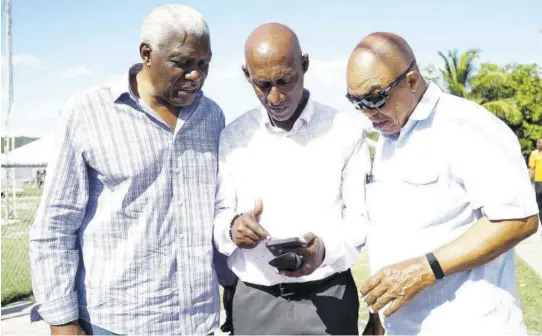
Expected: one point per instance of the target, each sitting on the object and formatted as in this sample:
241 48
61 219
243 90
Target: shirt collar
423 111
427 104
304 118
121 85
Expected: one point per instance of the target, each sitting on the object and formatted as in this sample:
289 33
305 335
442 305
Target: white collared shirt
310 179
452 163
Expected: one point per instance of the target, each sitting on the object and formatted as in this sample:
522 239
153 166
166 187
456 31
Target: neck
287 125
422 88
142 88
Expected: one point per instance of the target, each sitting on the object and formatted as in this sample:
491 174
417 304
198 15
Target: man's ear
245 72
145 53
305 62
413 79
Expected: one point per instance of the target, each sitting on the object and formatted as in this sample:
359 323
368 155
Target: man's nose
274 96
369 112
193 75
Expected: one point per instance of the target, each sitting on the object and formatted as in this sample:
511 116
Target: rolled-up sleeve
53 246
487 160
344 241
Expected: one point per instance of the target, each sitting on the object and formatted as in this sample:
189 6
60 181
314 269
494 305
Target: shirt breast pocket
421 194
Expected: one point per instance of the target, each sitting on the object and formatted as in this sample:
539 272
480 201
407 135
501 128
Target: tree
457 70
521 85
457 75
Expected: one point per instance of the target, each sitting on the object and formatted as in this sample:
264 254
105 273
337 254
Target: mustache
190 86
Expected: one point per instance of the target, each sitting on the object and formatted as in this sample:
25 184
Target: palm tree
458 69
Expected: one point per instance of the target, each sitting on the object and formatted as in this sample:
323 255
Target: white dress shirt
310 179
452 163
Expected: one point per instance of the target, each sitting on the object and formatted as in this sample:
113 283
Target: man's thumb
258 209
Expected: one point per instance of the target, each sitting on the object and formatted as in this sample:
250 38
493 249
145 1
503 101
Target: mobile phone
276 246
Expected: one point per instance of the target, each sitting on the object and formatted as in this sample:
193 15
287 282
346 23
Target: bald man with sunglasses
442 225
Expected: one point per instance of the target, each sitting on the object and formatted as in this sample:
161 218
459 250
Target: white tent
34 154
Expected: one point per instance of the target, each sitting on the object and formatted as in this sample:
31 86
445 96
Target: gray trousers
329 306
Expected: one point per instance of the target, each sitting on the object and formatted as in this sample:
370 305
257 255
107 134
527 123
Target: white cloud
77 71
26 60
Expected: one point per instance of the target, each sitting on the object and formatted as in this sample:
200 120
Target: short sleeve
532 160
486 158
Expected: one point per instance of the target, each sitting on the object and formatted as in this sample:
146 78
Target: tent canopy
34 154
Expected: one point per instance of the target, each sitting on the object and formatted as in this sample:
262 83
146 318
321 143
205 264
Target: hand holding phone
310 249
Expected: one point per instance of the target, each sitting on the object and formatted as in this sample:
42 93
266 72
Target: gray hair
167 19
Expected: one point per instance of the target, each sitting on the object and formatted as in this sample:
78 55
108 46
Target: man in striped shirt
122 240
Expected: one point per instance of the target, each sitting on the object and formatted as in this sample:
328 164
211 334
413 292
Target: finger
248 233
370 284
396 304
247 242
257 229
373 295
382 301
308 238
258 209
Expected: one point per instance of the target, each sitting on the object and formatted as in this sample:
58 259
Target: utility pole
9 141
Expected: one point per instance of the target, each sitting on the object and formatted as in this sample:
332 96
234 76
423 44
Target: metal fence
19 205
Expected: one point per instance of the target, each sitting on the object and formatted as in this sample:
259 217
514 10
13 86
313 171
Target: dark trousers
329 306
538 191
91 329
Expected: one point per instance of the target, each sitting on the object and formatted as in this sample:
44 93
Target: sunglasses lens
375 99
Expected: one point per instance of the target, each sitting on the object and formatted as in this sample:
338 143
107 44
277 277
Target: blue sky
63 46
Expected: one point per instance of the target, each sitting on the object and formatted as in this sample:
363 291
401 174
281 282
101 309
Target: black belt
298 289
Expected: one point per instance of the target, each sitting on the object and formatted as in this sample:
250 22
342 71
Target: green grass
16 280
530 294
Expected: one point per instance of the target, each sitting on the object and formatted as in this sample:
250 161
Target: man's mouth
189 89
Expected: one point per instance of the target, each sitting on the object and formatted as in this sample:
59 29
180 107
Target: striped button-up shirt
123 235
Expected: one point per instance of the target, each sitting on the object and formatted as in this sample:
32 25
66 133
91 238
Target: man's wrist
433 268
231 226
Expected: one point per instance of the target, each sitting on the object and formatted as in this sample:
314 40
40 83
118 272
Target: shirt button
180 203
181 236
177 170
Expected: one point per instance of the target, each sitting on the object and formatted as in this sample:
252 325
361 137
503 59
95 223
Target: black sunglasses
377 100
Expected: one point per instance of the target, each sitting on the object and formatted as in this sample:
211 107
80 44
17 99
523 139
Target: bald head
380 58
275 67
377 62
271 42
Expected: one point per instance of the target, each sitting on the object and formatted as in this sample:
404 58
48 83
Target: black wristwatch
435 266
231 225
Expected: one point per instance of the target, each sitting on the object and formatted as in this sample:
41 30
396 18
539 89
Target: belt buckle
284 291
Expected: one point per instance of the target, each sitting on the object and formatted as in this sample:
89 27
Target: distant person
122 240
535 169
292 168
442 223
39 179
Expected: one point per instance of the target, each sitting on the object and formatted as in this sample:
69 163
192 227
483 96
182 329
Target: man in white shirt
442 225
291 168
